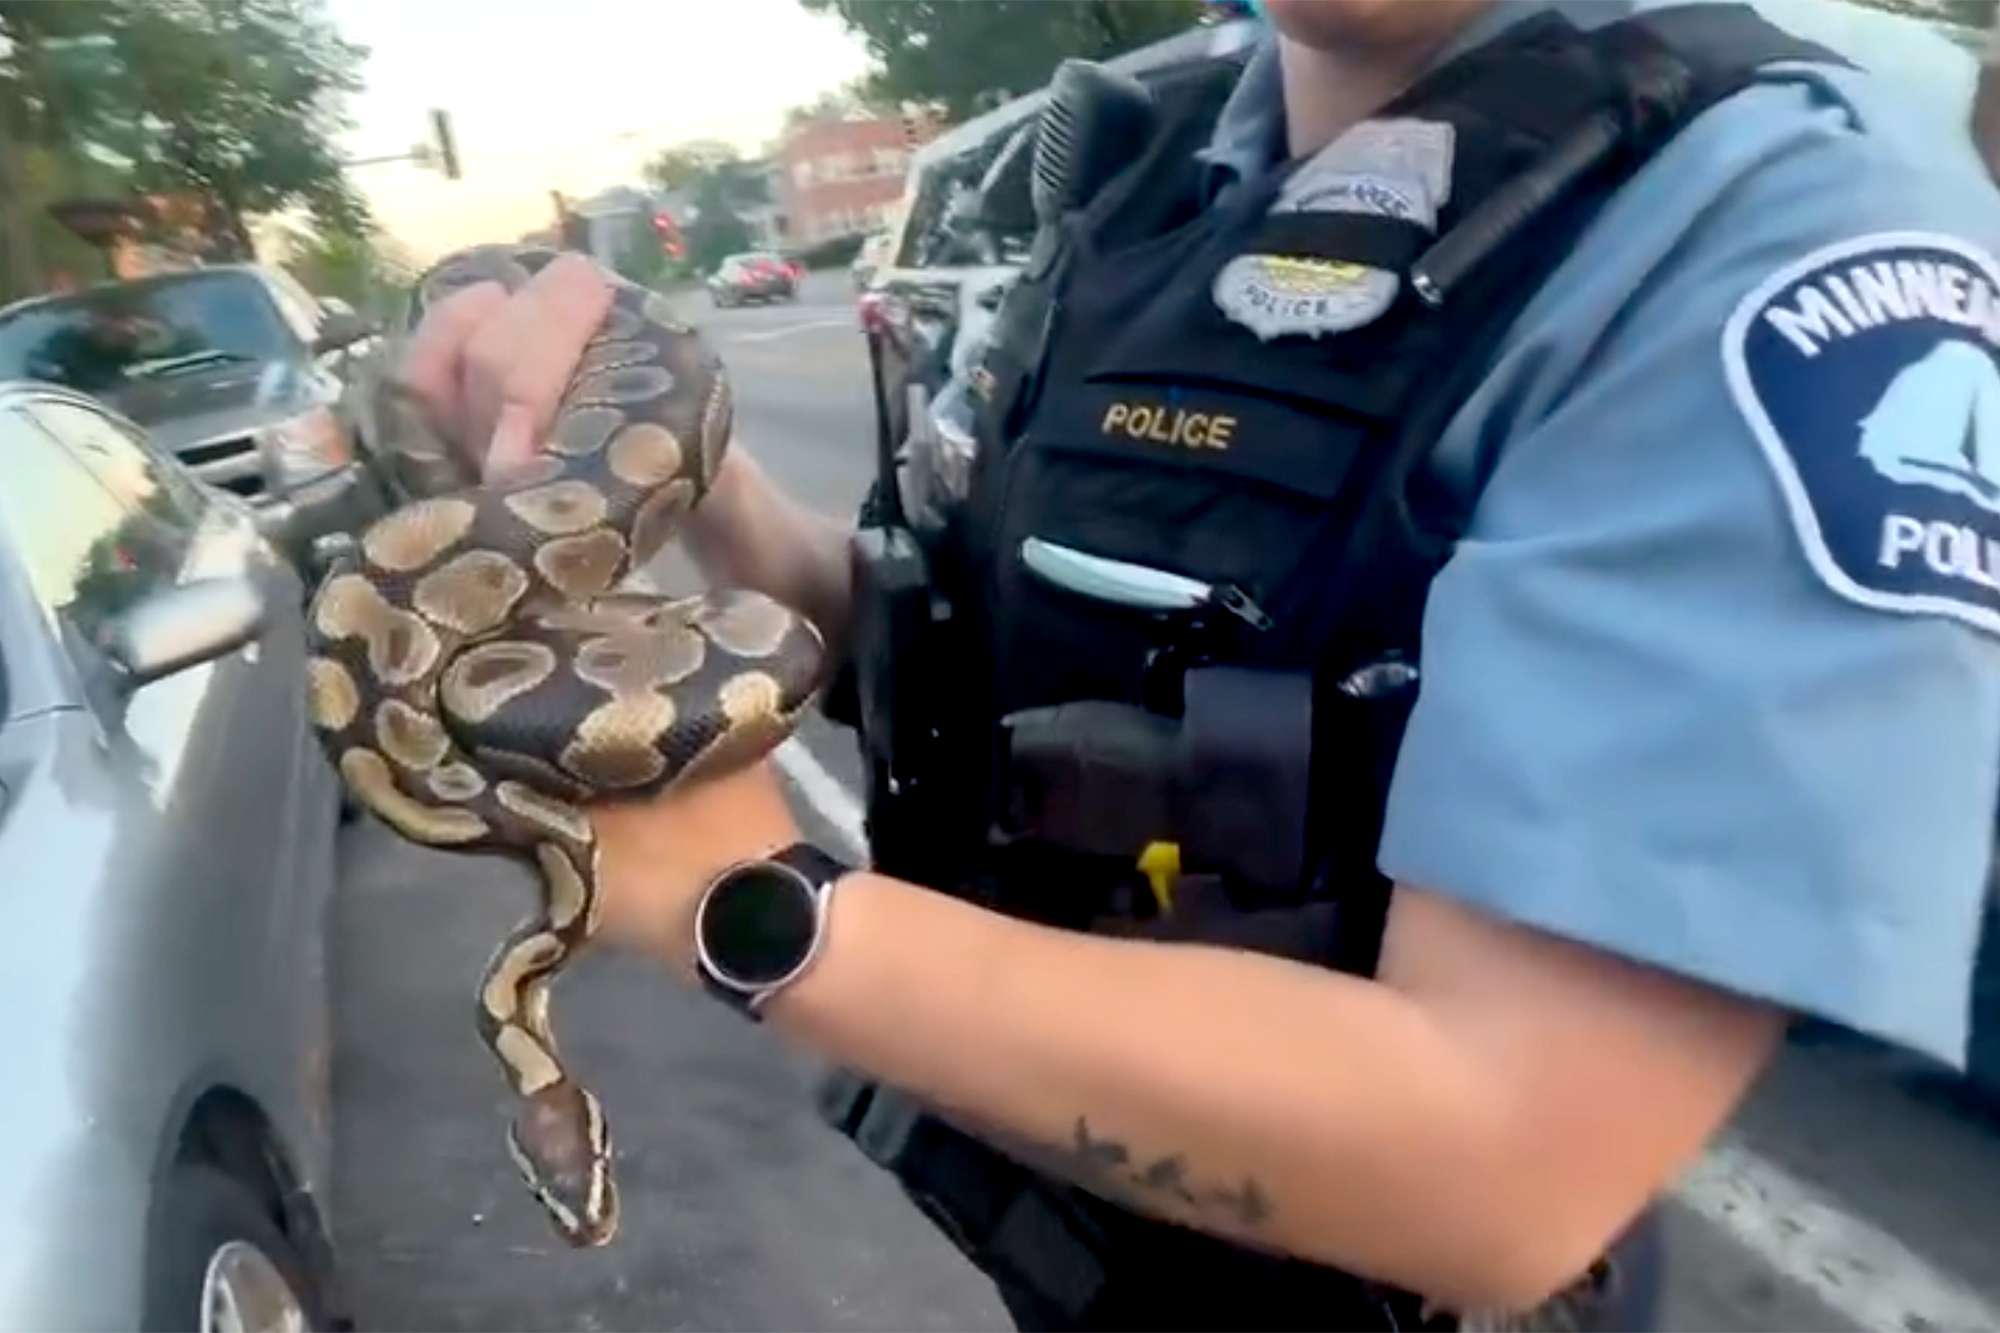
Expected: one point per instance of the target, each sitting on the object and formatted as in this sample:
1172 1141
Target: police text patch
1870 373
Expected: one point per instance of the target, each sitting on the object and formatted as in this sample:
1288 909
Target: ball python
476 677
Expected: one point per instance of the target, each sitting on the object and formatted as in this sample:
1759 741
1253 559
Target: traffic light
669 233
447 146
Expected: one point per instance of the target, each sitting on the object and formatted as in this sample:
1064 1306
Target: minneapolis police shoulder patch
1870 373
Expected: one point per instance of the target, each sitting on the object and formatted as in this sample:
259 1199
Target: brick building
843 177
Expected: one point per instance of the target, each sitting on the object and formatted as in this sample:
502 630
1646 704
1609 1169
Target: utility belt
1194 812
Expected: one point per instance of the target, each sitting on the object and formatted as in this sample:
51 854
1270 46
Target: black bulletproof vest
1115 366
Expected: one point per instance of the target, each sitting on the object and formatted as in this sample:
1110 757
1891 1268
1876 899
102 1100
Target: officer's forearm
1277 1104
748 533
1263 1101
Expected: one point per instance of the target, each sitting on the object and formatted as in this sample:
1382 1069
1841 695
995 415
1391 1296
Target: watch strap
820 867
743 1002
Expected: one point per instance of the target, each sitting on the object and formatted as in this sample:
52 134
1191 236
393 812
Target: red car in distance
757 275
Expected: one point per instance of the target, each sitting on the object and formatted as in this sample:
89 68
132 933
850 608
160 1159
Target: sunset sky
568 95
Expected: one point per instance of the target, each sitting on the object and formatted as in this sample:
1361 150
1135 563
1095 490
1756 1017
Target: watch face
757 924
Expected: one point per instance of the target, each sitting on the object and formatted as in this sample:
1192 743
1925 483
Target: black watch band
759 924
821 868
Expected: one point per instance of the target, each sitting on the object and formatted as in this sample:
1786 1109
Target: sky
566 95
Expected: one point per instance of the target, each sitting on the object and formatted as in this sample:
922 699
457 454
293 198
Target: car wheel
220 1264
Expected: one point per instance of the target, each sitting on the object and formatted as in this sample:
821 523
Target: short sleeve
1647 721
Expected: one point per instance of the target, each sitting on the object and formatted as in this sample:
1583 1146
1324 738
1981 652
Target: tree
682 164
37 156
362 267
716 183
952 52
642 259
853 97
717 231
236 102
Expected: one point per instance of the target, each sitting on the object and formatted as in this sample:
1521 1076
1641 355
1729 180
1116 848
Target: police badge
1381 168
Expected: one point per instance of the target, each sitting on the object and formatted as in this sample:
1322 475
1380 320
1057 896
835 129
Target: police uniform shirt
1713 679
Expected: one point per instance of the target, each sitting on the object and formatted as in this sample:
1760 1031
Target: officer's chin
1351 25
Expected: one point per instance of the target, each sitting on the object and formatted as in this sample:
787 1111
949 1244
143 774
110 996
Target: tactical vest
1128 418
1277 469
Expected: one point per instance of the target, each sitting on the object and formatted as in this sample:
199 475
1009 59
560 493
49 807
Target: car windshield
98 339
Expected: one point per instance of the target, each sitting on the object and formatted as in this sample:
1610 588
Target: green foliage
38 162
684 163
858 96
717 184
238 100
717 232
642 259
234 101
362 268
962 54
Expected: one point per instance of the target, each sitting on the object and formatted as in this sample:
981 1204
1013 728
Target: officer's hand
657 855
487 368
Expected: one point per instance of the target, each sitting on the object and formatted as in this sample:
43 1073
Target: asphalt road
1857 1188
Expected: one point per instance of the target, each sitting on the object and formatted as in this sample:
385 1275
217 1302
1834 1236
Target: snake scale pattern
476 678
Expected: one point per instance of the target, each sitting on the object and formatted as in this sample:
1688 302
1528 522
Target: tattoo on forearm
1106 1166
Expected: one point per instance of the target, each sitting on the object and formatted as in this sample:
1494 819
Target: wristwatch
759 924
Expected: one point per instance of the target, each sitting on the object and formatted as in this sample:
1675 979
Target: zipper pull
1121 583
1237 603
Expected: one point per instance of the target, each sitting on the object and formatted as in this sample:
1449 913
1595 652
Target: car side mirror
180 627
341 328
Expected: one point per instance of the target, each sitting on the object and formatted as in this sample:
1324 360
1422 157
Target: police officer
1614 399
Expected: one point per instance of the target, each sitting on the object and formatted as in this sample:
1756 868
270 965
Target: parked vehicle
755 276
236 369
868 260
166 828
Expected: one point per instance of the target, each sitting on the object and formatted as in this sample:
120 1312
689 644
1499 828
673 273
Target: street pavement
1858 1188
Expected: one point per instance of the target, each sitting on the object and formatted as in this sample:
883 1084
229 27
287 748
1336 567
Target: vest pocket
1228 488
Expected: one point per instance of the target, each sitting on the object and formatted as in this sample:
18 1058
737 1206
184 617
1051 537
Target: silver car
166 854
235 369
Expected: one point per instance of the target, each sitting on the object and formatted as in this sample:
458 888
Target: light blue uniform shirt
1648 720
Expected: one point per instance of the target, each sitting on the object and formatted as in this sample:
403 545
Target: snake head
509 265
560 1143
423 461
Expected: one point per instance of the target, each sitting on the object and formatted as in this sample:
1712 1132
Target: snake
478 674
